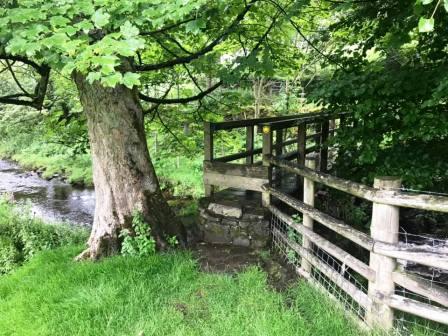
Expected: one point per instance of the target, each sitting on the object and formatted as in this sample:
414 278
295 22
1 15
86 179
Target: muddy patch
218 258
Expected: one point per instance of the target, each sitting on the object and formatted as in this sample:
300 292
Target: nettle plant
141 243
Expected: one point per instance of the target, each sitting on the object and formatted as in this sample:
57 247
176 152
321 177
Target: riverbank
178 176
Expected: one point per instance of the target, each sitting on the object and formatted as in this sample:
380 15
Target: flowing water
53 201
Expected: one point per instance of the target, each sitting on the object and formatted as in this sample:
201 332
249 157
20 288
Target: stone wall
233 222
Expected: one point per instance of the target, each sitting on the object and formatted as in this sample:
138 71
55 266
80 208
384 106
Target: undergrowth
22 236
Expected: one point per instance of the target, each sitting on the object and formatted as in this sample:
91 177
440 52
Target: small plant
172 241
141 242
297 218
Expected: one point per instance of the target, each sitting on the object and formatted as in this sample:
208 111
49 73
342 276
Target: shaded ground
216 258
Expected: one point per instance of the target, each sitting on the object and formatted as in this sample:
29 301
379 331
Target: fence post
250 143
308 198
324 146
208 153
267 152
384 227
301 153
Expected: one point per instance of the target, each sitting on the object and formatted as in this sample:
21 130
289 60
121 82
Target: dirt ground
230 259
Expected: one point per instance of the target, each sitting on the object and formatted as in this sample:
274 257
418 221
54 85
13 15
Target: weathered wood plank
347 259
234 169
419 254
356 294
229 181
414 307
237 156
332 223
396 198
421 286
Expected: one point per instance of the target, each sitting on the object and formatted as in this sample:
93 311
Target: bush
22 236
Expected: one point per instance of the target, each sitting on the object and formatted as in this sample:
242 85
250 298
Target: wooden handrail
390 197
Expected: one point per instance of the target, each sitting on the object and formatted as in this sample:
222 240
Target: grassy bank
22 236
159 295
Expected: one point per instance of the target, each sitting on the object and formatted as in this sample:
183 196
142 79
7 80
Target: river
53 200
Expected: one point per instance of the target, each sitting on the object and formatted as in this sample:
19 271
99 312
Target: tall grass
157 295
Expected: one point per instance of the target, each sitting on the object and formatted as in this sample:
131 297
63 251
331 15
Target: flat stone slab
225 210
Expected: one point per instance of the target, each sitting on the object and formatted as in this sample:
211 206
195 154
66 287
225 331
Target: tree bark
124 177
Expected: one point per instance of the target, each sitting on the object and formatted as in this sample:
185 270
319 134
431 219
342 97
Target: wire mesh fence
435 278
405 324
283 234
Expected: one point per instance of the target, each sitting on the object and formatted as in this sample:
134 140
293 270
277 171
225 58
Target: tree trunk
124 177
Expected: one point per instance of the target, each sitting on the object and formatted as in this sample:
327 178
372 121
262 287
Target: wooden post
278 151
250 143
324 146
384 228
279 142
267 152
301 153
208 153
308 198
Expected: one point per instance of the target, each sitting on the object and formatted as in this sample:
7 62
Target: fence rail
379 300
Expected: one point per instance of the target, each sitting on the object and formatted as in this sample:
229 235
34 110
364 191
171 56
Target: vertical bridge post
384 228
250 144
301 153
208 153
325 128
267 152
308 198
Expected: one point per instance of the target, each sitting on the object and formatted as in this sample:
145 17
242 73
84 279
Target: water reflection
53 200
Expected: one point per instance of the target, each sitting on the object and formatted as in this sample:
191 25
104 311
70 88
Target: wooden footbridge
374 281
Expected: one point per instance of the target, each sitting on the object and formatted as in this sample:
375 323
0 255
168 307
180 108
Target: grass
160 295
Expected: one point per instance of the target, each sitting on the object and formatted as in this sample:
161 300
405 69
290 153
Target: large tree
109 48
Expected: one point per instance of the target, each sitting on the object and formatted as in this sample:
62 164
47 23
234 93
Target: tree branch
166 28
203 51
204 93
180 100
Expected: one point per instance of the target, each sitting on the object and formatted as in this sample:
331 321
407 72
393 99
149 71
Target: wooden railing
380 300
251 175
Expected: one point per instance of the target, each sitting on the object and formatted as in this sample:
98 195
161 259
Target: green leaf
59 21
100 19
130 79
128 30
195 26
425 25
93 76
445 4
426 2
112 80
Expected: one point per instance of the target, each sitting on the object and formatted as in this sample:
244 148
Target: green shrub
141 242
22 236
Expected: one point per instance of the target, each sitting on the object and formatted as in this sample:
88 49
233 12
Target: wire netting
405 324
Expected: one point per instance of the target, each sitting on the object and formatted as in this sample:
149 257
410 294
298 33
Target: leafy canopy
91 36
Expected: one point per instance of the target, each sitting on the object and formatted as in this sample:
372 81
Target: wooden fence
380 300
252 175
